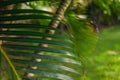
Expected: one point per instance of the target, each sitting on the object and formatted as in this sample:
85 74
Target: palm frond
84 40
21 41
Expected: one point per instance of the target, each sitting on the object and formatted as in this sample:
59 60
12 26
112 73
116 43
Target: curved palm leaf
20 41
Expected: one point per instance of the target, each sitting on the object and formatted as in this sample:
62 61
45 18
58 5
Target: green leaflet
17 26
23 17
36 48
31 26
45 57
19 11
10 63
49 74
10 74
36 40
46 65
10 2
30 34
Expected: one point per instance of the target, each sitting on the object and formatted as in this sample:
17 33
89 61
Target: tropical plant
33 48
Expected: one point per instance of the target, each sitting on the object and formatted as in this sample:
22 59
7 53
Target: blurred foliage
84 42
86 37
104 62
103 13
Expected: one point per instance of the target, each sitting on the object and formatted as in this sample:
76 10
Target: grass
104 63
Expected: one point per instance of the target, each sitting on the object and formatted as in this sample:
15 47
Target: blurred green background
104 63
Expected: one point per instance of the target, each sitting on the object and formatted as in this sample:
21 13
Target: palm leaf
22 40
84 39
